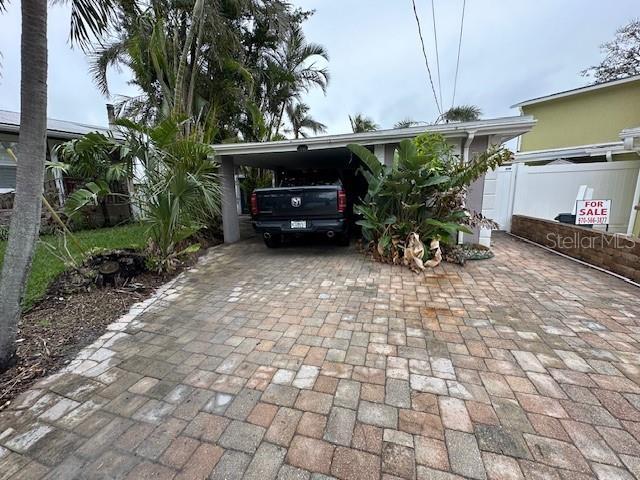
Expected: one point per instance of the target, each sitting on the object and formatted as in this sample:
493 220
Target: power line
455 80
424 53
435 39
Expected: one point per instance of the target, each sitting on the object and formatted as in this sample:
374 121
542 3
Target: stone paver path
312 362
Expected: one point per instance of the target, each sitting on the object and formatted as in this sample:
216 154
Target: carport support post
230 220
475 194
385 153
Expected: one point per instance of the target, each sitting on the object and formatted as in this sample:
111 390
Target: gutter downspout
636 198
467 145
629 143
519 141
634 213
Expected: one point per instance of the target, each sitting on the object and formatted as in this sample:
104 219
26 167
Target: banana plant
422 192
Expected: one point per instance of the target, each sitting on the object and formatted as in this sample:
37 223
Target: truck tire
343 240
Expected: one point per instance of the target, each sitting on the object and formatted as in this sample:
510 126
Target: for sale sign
593 212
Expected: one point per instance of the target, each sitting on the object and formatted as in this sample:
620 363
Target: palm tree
406 123
360 123
298 115
88 18
297 72
230 70
462 113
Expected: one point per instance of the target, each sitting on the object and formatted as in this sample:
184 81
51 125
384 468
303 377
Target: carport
467 138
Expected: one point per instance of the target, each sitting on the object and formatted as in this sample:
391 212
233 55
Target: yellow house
596 123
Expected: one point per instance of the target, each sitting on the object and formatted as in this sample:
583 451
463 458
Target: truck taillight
342 201
254 204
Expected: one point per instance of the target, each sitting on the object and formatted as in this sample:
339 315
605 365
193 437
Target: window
7 178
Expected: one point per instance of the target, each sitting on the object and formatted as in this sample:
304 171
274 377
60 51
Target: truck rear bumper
276 227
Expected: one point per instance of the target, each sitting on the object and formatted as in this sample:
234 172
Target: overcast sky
511 51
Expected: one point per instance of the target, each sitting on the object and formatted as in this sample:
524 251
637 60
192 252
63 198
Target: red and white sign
593 212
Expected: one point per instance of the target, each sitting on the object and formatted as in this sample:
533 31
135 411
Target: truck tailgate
298 202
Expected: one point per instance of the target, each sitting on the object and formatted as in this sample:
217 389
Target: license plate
298 224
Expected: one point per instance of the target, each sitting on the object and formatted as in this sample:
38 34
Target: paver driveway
305 362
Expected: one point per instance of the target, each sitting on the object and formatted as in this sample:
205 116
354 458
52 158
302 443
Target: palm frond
360 123
462 113
101 59
90 19
406 123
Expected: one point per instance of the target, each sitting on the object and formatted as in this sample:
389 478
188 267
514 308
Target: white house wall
475 194
488 204
547 190
497 201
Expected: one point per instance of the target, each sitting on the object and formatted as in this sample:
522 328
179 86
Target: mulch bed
71 316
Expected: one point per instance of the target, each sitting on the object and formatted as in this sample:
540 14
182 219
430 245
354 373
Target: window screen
7 165
7 177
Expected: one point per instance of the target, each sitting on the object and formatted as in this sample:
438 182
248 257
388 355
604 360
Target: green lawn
46 266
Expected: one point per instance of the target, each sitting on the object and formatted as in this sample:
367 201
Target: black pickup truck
300 206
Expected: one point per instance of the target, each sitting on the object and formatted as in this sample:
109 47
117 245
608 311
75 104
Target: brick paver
311 362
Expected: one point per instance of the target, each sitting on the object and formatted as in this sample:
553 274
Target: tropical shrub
253 177
94 159
422 193
177 190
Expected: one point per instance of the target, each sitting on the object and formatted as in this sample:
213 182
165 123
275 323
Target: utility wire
435 39
455 80
424 53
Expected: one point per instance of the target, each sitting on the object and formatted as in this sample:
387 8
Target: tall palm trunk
194 69
179 106
279 121
25 220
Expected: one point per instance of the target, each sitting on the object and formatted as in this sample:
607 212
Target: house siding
585 118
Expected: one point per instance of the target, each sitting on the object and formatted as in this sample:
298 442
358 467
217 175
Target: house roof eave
594 150
576 91
506 128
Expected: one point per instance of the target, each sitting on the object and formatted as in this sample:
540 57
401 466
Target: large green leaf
90 195
433 180
407 153
368 158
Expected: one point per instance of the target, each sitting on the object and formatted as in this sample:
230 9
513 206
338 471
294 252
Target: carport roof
504 129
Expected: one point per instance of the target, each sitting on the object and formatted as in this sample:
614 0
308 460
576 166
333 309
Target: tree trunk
279 121
106 221
27 205
180 94
194 71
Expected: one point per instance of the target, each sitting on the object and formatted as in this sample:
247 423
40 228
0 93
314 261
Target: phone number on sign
592 221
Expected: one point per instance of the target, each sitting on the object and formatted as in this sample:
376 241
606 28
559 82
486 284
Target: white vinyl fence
547 190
